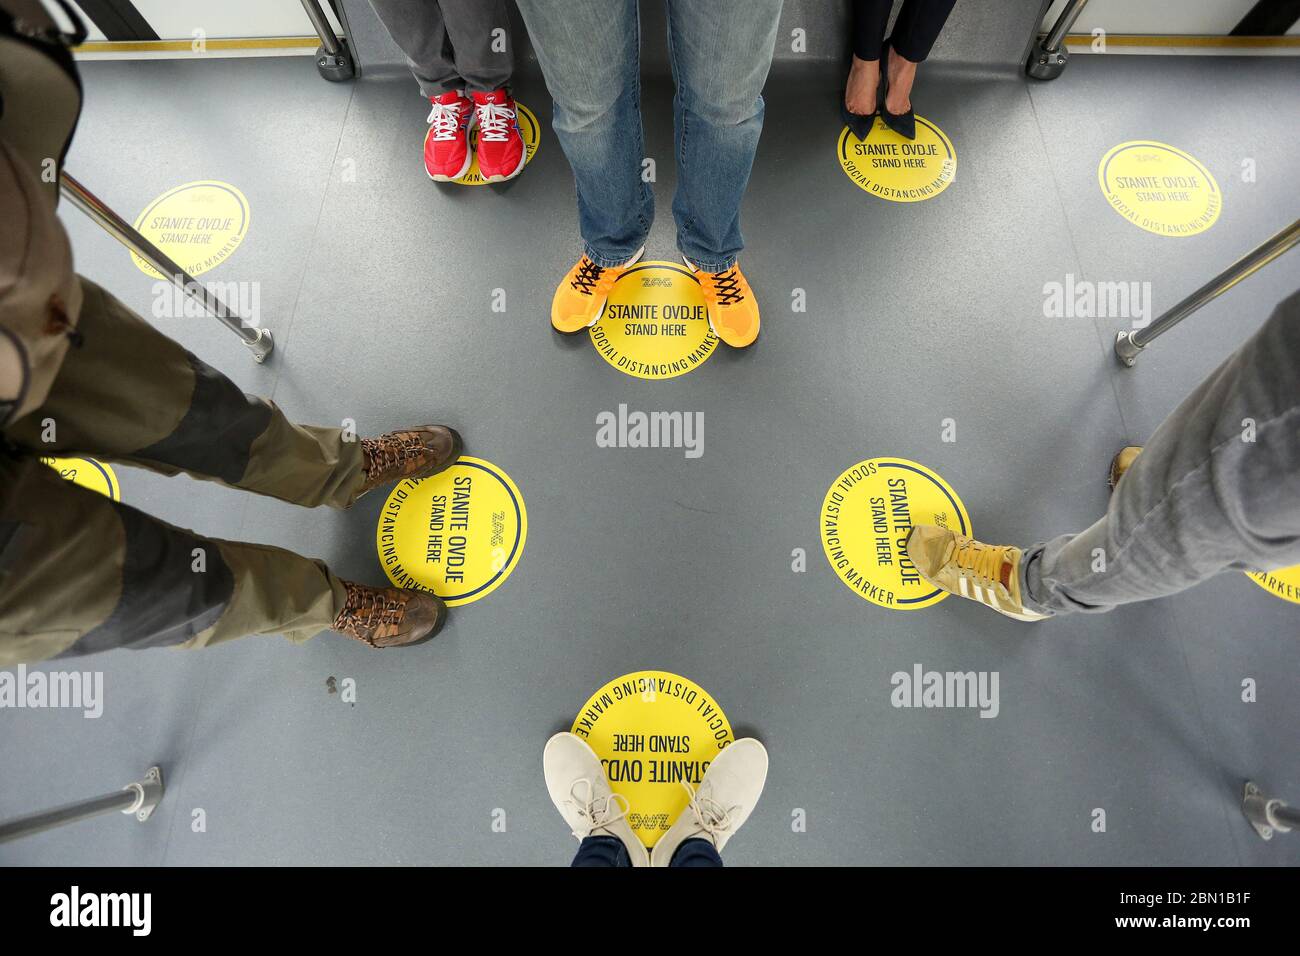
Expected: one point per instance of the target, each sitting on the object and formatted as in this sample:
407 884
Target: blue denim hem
610 262
711 267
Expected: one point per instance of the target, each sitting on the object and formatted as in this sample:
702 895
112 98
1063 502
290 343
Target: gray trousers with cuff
449 43
1217 488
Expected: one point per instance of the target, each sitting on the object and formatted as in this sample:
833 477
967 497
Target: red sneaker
501 151
446 145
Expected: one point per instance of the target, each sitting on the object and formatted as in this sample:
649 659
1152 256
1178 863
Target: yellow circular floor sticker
865 518
1159 188
458 534
653 731
198 225
896 168
1283 583
528 129
655 323
88 473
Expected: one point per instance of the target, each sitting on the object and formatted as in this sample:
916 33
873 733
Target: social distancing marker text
459 534
865 518
1159 188
198 225
890 166
653 731
655 323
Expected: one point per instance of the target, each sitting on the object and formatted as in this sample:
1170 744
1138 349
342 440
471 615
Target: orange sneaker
580 297
733 313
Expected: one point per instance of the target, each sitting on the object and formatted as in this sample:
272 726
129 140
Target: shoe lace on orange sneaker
591 277
494 121
445 119
723 288
984 561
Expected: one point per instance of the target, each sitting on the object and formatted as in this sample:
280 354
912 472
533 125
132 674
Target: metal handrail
138 799
1129 344
257 339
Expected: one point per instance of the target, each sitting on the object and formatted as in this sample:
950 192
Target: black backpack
40 89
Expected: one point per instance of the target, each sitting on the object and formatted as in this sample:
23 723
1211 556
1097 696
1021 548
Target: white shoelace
594 810
494 122
712 816
445 120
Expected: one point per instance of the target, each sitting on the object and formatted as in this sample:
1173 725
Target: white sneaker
725 799
579 790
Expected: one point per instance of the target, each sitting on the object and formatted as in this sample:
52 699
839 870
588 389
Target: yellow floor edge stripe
311 42
1226 43
187 46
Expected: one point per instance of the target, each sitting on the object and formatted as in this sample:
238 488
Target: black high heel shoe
904 124
860 125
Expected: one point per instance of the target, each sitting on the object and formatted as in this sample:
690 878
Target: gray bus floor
377 285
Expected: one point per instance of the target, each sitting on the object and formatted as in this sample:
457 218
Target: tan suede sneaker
1121 463
971 569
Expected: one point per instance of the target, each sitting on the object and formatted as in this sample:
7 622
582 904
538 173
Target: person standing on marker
80 374
460 53
589 53
872 74
597 816
1217 488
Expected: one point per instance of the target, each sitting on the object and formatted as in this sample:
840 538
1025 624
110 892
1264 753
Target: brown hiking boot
414 453
389 617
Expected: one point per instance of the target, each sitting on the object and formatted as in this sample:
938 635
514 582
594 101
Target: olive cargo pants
80 573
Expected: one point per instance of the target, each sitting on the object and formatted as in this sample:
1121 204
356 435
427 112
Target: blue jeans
609 851
721 50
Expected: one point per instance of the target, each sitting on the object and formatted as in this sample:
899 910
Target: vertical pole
333 58
322 26
1047 59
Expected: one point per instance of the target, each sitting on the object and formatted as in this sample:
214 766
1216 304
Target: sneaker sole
631 262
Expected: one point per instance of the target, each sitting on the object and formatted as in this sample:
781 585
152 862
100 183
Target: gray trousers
449 43
1216 488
